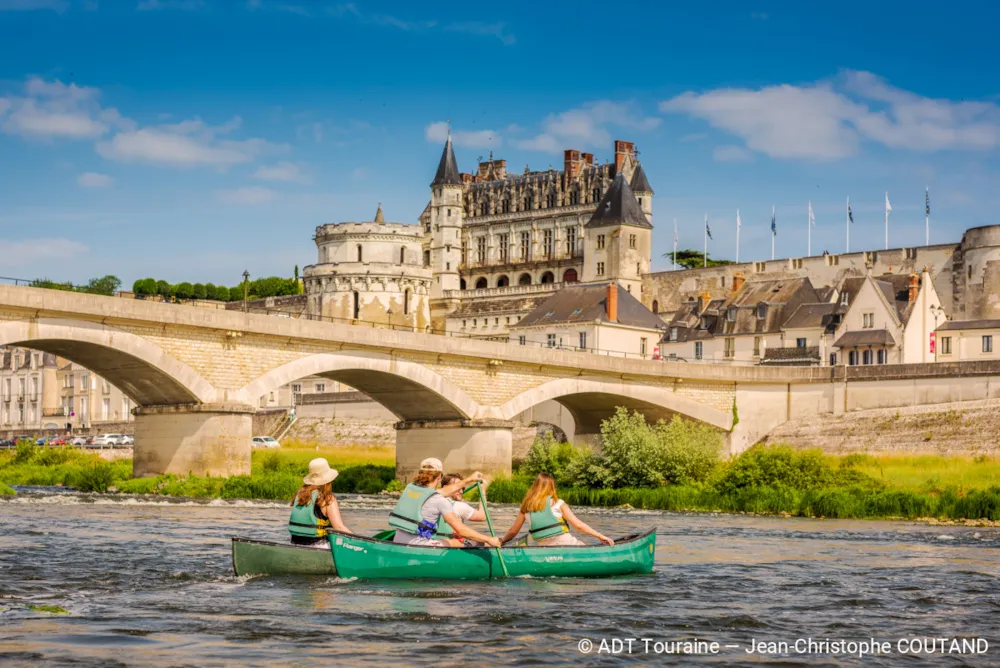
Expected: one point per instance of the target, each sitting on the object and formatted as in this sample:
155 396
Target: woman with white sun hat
314 508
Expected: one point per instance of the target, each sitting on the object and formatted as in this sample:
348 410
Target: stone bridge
196 376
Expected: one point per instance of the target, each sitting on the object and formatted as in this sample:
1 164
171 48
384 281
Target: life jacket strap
561 525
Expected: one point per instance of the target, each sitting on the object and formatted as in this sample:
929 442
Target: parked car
106 440
127 439
79 440
41 441
59 440
264 442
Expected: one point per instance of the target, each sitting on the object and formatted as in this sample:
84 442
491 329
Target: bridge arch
137 366
591 401
409 390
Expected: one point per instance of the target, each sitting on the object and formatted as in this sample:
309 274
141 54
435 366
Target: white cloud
54 110
830 119
32 5
498 30
436 133
246 196
27 252
588 126
94 180
731 153
282 171
186 144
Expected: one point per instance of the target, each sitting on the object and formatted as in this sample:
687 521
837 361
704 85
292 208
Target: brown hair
450 478
304 495
544 486
425 477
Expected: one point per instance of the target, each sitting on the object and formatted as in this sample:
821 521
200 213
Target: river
150 583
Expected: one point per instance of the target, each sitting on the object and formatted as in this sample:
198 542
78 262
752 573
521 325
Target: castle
492 245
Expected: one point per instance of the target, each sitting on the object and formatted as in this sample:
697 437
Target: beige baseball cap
432 464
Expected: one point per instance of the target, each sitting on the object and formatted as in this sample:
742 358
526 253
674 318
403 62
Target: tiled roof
740 314
587 302
952 325
487 307
639 183
618 207
824 315
865 337
447 171
791 356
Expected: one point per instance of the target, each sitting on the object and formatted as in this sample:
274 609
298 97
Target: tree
273 286
165 290
145 287
105 285
210 291
221 293
184 290
236 293
198 291
692 259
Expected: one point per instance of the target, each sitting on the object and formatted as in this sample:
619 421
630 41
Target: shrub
105 285
366 479
632 451
95 478
394 486
6 491
25 452
690 450
776 466
547 455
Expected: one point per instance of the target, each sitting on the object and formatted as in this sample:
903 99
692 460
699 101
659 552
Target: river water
151 584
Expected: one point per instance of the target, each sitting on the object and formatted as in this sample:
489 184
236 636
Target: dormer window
673 333
761 311
844 299
731 314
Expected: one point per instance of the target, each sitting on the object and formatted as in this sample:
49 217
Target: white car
127 439
79 440
106 440
264 442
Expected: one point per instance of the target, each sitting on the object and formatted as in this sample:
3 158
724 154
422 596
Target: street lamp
246 291
388 317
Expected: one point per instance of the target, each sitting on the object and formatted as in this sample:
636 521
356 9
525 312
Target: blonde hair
543 487
425 477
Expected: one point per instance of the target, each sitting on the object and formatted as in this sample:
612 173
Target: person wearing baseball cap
315 508
422 507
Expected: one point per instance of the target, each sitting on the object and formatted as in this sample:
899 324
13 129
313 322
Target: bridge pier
202 439
463 446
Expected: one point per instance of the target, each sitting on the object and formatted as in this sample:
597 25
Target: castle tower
643 191
618 239
446 224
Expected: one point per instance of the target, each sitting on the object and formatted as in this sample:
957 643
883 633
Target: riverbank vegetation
675 465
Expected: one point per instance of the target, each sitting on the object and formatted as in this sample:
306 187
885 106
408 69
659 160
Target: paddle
489 524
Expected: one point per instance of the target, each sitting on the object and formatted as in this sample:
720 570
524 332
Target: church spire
447 171
379 218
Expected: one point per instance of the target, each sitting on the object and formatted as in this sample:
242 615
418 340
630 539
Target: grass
6 491
931 473
51 609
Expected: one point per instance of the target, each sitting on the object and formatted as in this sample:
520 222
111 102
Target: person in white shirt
465 511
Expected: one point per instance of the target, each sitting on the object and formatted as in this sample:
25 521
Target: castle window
503 282
359 252
640 201
638 268
448 213
656 306
481 283
570 241
600 241
547 243
525 246
631 241
596 195
406 302
402 255
481 250
357 305
574 198
427 258
484 209
600 268
525 279
505 206
504 248
550 200
548 277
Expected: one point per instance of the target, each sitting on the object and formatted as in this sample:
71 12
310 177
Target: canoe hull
257 557
365 558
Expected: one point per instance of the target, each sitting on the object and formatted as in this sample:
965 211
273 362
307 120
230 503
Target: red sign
933 340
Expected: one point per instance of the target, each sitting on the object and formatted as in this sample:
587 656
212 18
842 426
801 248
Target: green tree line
105 285
271 286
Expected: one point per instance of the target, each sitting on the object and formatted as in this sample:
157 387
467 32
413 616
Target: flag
774 224
888 207
708 230
850 214
927 202
812 218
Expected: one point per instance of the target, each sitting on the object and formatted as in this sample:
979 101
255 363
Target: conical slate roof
640 184
379 218
447 173
618 207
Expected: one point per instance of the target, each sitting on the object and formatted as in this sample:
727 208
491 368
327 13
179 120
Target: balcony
52 412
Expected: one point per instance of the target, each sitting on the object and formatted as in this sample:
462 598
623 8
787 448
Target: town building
88 400
28 389
967 340
601 318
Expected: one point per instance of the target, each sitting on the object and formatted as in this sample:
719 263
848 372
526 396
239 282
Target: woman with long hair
314 507
549 518
423 509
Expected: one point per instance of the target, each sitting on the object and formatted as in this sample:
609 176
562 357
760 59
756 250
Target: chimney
622 148
738 280
611 302
571 164
588 158
914 287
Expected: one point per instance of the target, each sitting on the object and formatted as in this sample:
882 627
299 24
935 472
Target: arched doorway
503 281
656 306
569 276
525 279
481 283
548 277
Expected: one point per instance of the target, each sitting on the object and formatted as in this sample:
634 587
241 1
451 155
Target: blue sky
193 139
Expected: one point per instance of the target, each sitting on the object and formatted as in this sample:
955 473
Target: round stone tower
976 274
371 273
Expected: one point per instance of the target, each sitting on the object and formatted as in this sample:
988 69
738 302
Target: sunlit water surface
151 583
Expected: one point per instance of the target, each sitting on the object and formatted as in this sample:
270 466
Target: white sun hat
432 464
320 472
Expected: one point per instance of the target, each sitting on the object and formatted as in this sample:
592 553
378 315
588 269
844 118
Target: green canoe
259 557
370 558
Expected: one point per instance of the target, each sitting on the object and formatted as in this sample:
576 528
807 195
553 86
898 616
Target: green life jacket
443 528
544 523
406 514
303 521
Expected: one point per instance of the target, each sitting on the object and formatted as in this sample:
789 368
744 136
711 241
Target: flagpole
704 257
675 244
772 232
809 232
737 236
887 221
847 224
927 216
